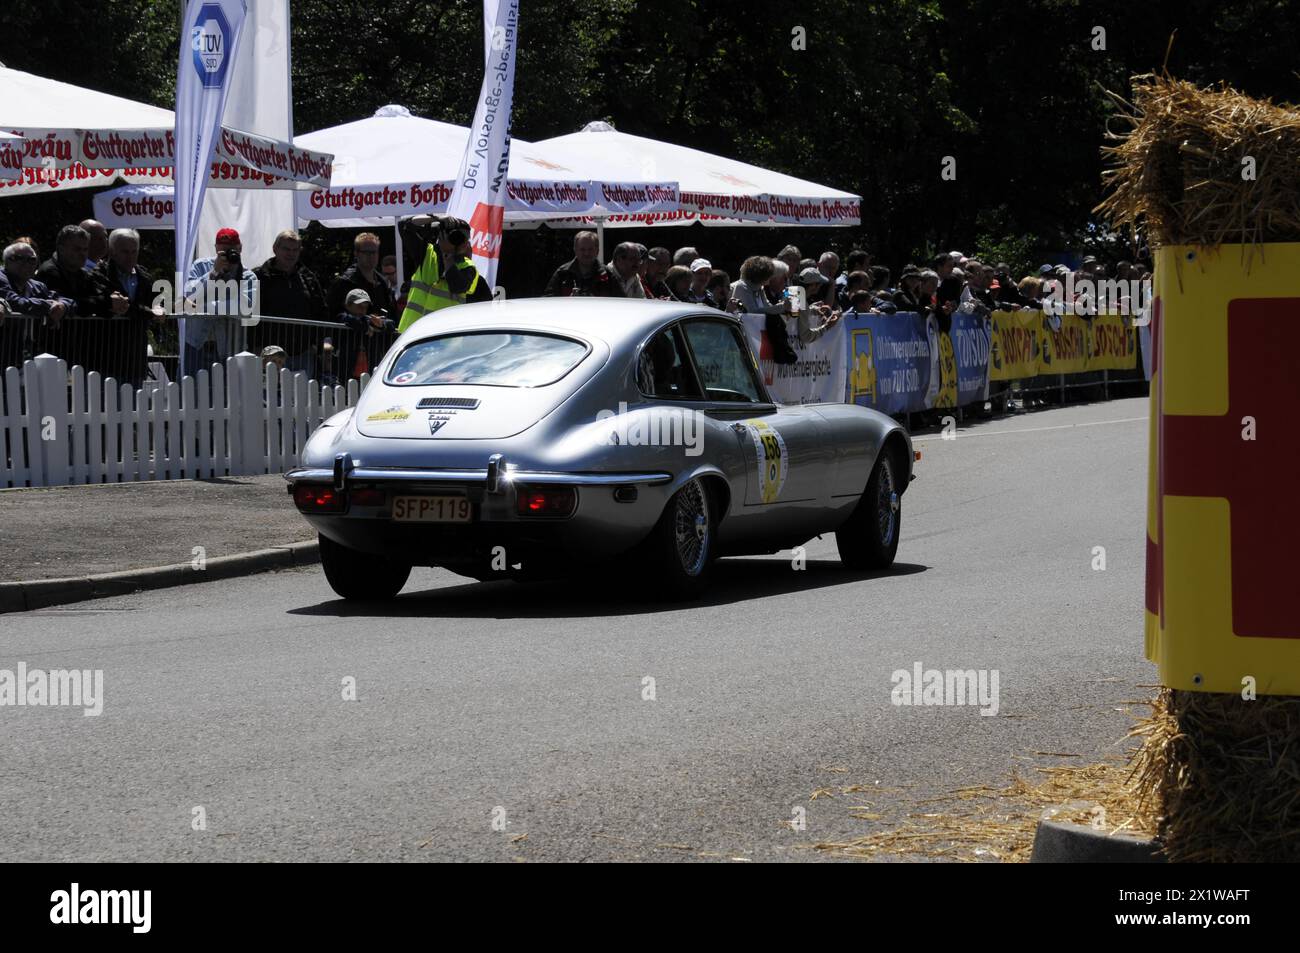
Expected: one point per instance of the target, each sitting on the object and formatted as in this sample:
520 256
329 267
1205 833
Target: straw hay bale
1178 158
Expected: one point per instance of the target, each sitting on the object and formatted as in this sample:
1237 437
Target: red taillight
315 498
367 496
543 501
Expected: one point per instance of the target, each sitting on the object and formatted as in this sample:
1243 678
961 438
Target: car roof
619 322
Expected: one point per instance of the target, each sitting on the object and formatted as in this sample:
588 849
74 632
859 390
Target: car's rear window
502 358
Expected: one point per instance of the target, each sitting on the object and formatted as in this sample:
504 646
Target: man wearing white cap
701 269
815 284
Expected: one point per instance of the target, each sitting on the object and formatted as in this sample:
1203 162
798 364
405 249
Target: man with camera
221 286
446 275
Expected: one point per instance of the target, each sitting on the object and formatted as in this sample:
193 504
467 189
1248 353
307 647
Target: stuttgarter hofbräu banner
818 375
781 209
136 206
555 197
479 194
731 210
152 206
78 158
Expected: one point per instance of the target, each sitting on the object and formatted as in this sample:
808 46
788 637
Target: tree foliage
883 91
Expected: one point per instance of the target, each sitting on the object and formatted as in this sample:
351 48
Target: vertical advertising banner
970 345
817 377
209 42
260 102
479 196
942 391
889 361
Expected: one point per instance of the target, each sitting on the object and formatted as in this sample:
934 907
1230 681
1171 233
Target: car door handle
739 428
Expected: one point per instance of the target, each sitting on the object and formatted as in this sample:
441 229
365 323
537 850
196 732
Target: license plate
432 509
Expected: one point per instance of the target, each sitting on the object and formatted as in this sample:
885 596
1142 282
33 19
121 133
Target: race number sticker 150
773 464
392 413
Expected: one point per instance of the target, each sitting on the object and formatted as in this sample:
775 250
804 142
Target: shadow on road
734 581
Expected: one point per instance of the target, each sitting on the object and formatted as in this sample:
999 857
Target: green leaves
878 94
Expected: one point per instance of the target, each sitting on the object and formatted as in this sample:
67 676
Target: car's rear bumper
608 518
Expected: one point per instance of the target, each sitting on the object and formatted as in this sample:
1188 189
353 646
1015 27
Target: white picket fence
59 427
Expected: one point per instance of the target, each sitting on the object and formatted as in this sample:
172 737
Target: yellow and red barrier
1223 517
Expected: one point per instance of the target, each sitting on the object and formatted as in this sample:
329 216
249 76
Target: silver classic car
532 437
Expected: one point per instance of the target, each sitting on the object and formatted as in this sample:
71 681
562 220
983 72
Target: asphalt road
525 703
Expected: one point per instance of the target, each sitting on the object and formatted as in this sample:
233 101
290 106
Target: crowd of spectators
806 297
94 274
89 274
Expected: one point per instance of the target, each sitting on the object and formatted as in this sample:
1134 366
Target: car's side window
664 369
725 366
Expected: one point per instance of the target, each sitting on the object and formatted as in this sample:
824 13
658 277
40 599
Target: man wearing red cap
210 288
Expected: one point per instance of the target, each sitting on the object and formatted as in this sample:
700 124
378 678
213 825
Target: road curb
40 593
1065 842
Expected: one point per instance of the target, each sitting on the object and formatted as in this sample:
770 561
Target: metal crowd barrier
122 348
141 352
325 351
1097 385
1012 396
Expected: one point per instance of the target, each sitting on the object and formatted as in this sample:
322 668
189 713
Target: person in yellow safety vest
446 275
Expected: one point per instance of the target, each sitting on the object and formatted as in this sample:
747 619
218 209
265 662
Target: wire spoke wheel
868 539
691 528
886 503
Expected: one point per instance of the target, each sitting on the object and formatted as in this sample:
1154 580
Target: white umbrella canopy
74 137
395 164
715 190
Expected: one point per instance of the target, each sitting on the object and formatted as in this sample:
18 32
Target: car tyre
361 576
680 547
869 538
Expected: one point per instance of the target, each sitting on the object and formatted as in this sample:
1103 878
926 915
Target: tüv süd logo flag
209 39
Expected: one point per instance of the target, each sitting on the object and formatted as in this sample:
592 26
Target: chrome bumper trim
382 475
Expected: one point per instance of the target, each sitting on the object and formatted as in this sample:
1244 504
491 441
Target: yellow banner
1013 349
1113 345
1063 345
1029 343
